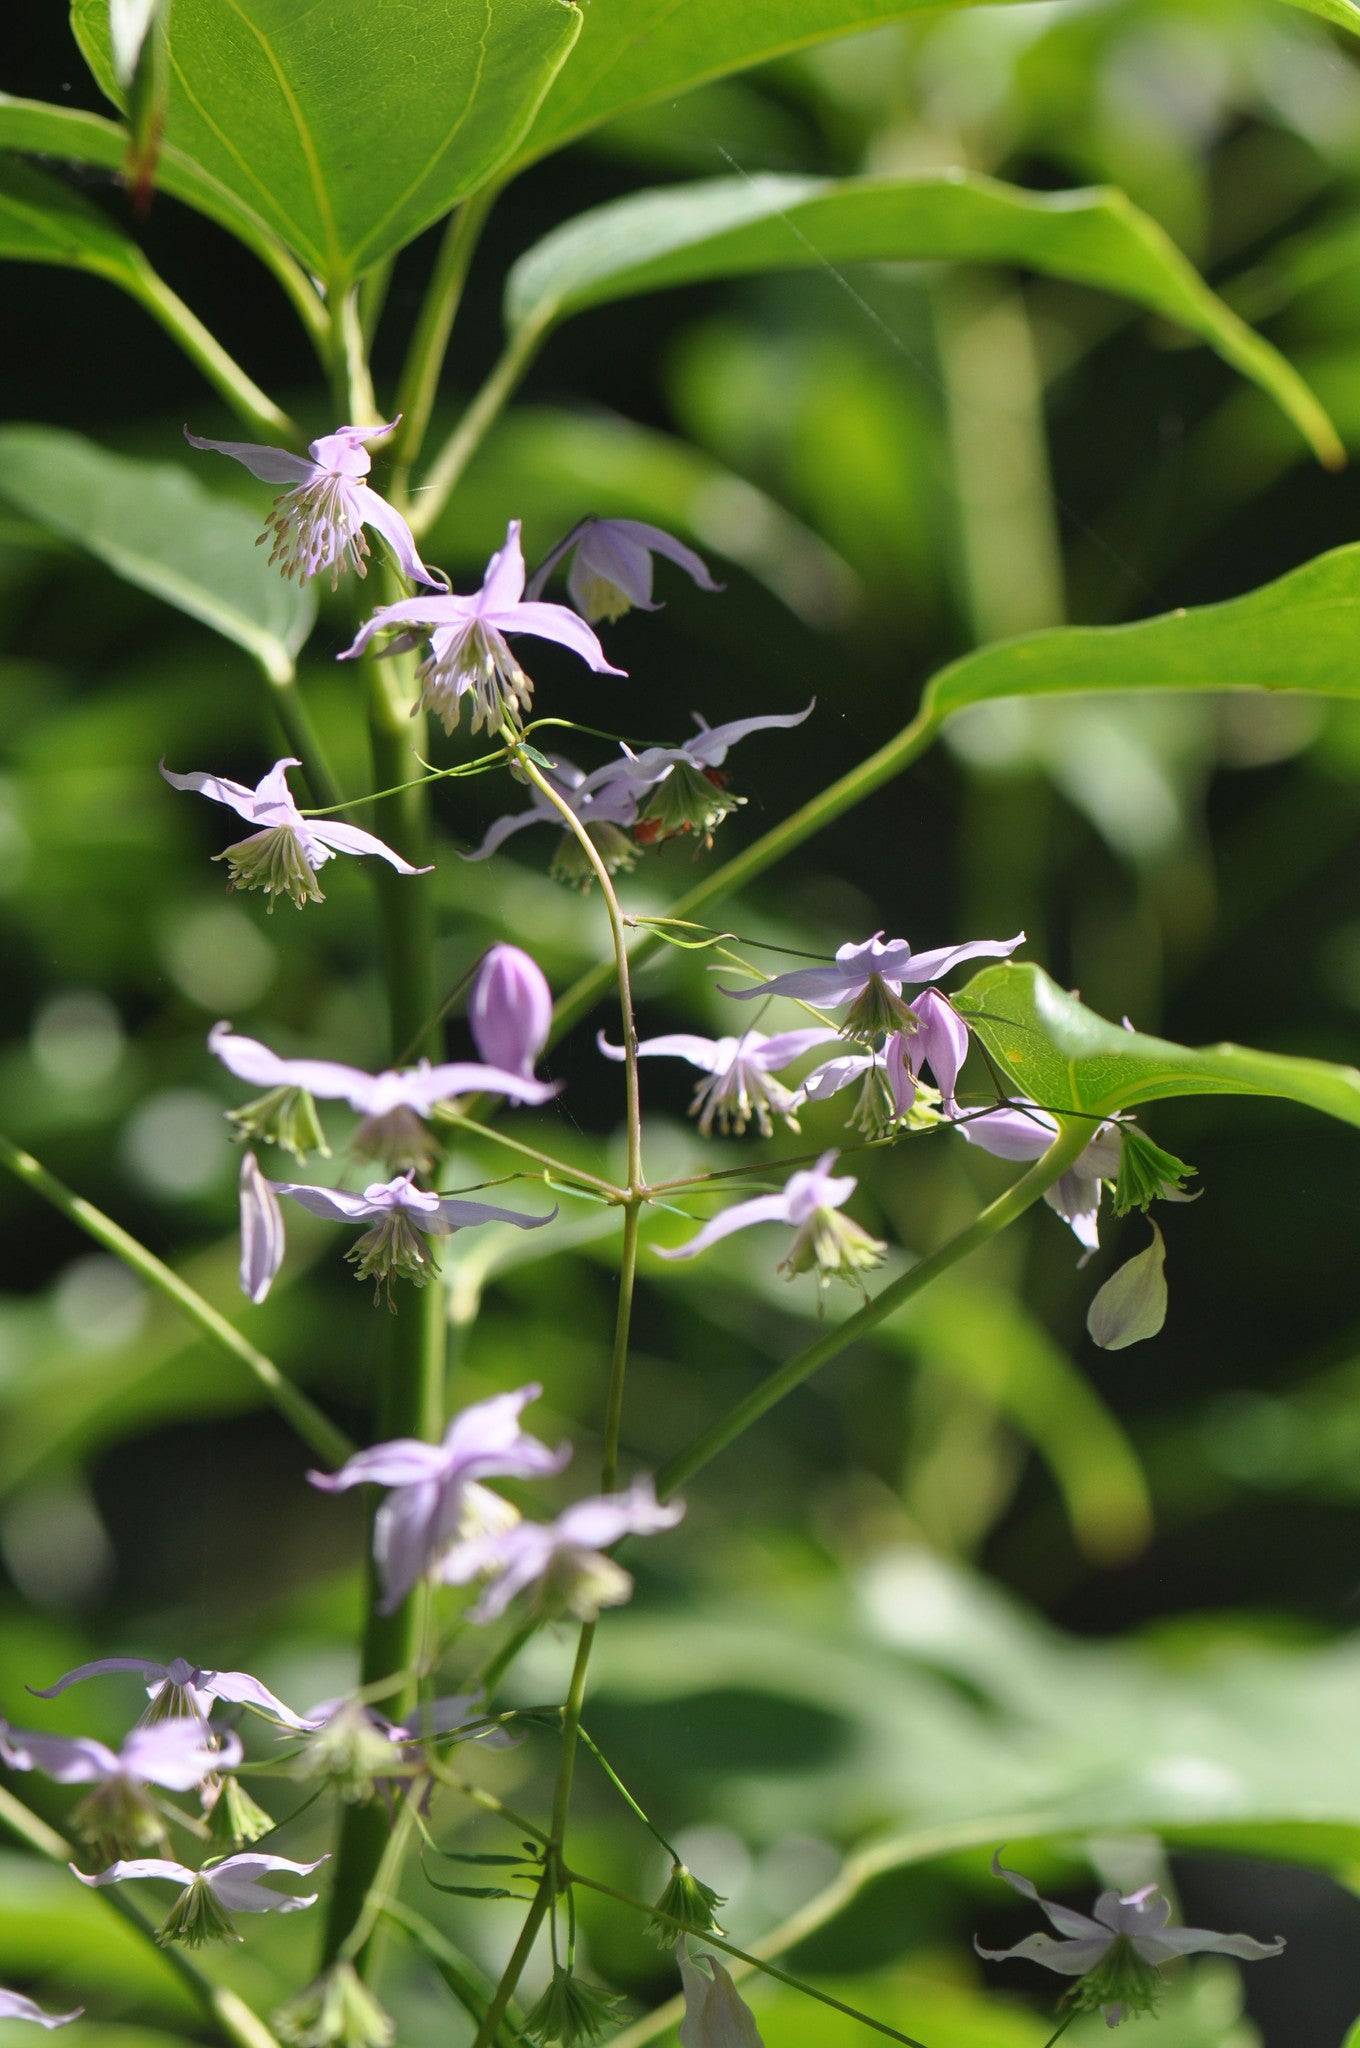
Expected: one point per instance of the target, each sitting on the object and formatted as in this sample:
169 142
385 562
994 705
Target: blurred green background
978 1573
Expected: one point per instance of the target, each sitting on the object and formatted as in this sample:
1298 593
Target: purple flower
179 1690
283 857
823 1239
429 1504
1021 1130
210 1896
319 523
119 1814
361 1752
1116 1954
611 566
683 786
741 1071
14 2006
262 1234
469 654
392 1103
870 978
564 1559
605 806
403 1216
939 1040
510 1011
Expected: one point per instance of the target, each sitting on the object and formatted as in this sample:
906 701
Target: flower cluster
440 1522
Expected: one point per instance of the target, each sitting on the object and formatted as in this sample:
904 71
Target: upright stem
550 1881
439 309
203 349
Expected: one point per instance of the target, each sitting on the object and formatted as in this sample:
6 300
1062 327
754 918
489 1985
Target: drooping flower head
469 654
119 1813
683 789
283 857
427 1509
564 1560
605 806
1019 1129
1115 1956
611 566
337 2010
511 1010
870 979
179 1690
318 522
393 1104
741 1072
209 1897
403 1218
824 1241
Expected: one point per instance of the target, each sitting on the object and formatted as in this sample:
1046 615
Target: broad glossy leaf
1299 633
43 221
1064 1056
349 128
730 226
156 526
633 51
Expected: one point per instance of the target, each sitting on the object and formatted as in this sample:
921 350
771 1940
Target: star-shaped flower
564 1559
403 1218
741 1072
810 1202
1116 1954
870 978
210 1896
318 523
14 2006
283 857
429 1504
469 653
179 1689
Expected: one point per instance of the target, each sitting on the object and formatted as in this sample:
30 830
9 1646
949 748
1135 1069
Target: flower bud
285 1117
262 1239
511 1010
338 2008
570 2011
688 1900
234 1818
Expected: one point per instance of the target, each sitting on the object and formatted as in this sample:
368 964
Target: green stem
711 1940
425 358
559 1167
372 294
753 860
1057 2036
289 708
204 350
617 1782
452 1966
320 1435
432 495
231 2015
1071 1140
384 1880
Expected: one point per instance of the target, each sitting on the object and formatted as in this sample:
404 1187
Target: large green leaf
1064 1056
727 226
156 526
1345 13
1299 633
633 51
349 128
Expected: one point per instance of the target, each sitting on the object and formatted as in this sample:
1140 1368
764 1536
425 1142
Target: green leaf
349 128
1345 13
730 226
1299 633
1073 1062
634 51
155 525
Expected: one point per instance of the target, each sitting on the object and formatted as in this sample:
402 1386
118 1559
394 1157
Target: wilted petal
1131 1306
262 1232
14 2006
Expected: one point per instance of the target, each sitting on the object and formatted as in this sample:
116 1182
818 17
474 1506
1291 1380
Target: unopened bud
511 1010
